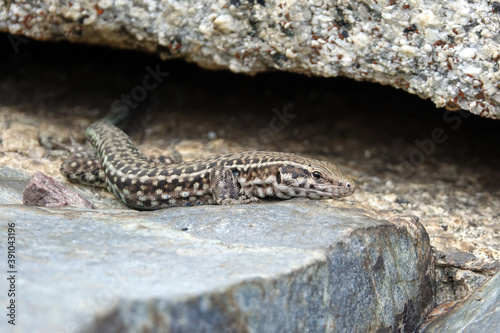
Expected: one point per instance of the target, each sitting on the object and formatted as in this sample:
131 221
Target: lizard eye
317 175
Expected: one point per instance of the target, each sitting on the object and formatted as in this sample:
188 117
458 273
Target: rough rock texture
458 274
45 191
480 312
446 50
285 266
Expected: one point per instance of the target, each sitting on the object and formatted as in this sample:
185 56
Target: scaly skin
221 179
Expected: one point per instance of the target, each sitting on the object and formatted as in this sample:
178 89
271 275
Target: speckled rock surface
288 266
447 51
480 312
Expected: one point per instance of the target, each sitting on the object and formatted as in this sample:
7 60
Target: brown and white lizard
221 179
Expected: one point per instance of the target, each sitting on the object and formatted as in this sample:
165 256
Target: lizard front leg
226 189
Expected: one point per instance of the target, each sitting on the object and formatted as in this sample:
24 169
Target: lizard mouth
328 191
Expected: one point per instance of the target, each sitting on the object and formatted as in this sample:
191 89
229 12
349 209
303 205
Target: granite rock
447 51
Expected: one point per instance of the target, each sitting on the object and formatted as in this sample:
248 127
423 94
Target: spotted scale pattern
221 179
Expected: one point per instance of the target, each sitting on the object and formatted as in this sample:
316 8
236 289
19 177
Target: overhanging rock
446 50
299 265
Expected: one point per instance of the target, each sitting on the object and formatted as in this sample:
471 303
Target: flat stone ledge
293 266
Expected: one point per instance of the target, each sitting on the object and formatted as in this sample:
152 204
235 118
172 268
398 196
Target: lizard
223 179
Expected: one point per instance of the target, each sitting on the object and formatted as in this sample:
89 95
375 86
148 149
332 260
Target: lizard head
317 180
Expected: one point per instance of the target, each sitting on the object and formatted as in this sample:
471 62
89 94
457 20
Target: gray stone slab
12 183
299 265
480 312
